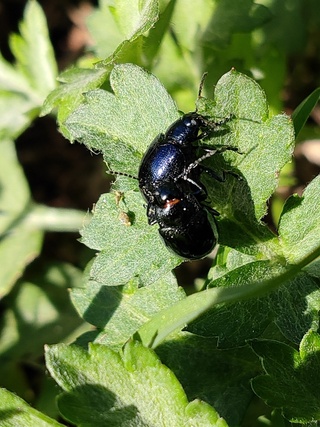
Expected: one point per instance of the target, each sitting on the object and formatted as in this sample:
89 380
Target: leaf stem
47 218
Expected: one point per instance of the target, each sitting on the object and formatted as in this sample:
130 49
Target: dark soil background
65 175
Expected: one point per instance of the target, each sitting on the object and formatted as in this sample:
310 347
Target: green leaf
118 312
19 244
296 305
17 249
110 123
299 227
265 143
241 285
116 25
14 194
122 124
124 26
69 95
213 24
292 379
234 324
16 412
303 111
39 308
125 250
38 311
293 307
188 23
24 86
221 378
106 387
210 36
17 101
33 51
152 42
184 312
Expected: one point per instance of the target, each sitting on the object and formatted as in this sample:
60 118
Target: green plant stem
47 218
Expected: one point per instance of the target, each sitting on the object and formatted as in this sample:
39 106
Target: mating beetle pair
170 181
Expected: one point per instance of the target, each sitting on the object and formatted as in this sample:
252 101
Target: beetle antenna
122 174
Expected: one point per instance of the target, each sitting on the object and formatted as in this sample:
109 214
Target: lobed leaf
221 378
115 26
299 228
69 95
125 251
293 307
16 412
287 369
33 50
118 311
133 387
24 86
265 145
123 124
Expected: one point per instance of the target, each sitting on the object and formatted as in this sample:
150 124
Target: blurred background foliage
277 42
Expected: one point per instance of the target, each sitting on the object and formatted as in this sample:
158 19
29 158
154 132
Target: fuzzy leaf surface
221 378
116 26
118 312
125 251
117 394
265 145
293 307
299 227
14 412
122 124
287 369
69 94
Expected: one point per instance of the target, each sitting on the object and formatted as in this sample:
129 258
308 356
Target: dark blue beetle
171 154
169 179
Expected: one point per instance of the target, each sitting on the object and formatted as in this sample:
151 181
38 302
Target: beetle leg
151 214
